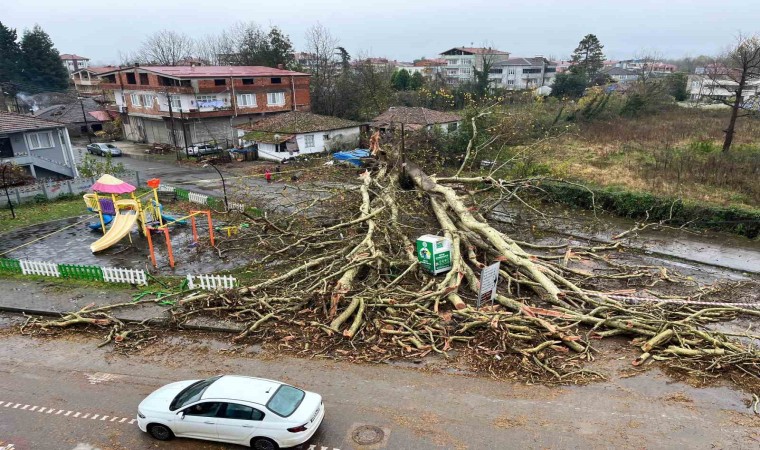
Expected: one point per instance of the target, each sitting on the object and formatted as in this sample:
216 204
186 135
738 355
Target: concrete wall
54 189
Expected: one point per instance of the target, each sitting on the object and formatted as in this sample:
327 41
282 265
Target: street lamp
224 186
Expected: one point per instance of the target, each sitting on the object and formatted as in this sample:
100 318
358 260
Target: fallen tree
343 279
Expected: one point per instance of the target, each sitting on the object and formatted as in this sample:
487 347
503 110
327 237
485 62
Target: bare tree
226 48
740 79
322 46
166 48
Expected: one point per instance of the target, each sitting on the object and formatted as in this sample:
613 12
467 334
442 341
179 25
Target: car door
198 421
238 423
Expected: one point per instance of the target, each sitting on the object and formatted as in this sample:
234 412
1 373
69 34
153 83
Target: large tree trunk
734 115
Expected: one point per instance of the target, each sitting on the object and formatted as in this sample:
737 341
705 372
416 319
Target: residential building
41 146
720 87
415 118
74 62
87 81
563 65
409 67
73 115
379 64
522 73
653 67
188 105
295 133
432 68
621 74
461 62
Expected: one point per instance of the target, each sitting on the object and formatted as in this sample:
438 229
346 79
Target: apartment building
74 62
461 62
188 105
87 81
522 73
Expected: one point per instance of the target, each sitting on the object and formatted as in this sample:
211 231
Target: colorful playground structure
121 214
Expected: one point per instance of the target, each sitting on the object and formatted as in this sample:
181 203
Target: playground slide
170 219
107 219
121 227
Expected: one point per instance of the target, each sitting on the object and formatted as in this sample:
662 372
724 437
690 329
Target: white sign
489 278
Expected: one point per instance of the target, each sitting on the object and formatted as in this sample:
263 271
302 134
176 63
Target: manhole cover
368 435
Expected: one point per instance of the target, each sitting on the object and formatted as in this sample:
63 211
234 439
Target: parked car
102 149
256 412
204 149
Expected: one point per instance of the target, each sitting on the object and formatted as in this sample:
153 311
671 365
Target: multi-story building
522 73
721 87
432 68
74 62
86 81
188 105
461 62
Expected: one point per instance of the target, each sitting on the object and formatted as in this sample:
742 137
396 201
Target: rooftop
536 61
414 115
72 112
296 122
475 51
248 389
212 71
73 56
97 70
14 123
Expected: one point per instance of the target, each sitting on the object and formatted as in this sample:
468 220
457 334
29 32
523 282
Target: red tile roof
72 56
414 116
478 51
14 123
215 71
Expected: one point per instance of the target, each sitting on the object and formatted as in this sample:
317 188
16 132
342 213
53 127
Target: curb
45 313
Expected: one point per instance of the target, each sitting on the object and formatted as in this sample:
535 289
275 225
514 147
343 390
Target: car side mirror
181 415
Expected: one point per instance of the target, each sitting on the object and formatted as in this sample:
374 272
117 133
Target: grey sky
403 29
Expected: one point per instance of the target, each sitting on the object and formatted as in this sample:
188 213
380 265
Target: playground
127 228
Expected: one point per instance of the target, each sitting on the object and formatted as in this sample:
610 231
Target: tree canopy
588 58
41 63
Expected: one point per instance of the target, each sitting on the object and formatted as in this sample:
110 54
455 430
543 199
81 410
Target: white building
621 74
74 62
296 133
461 62
522 73
719 88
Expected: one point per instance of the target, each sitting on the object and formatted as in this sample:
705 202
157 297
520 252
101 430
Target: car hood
306 409
160 399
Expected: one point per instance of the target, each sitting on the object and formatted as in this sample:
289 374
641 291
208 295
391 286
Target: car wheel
160 432
262 443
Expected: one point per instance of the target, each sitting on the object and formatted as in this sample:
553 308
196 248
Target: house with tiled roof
415 118
289 134
522 73
79 117
74 62
40 146
192 105
86 80
461 62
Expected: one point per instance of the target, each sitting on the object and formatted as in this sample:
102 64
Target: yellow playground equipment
123 213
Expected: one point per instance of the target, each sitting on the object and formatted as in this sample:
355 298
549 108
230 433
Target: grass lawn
34 213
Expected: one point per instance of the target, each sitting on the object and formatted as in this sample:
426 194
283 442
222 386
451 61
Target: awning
109 184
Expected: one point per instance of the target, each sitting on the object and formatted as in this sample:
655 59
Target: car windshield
192 393
285 400
111 146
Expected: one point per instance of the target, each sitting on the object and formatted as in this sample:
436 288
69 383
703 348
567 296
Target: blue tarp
352 156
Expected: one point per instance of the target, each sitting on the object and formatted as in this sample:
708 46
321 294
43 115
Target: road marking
67 413
60 411
101 377
77 414
94 417
16 405
104 417
321 447
25 406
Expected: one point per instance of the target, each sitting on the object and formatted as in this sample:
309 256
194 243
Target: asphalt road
68 394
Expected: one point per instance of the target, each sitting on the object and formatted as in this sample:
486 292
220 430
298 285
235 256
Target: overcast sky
403 29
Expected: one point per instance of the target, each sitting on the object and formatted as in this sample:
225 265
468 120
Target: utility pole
86 124
171 118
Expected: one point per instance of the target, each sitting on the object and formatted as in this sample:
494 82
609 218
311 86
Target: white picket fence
39 268
121 275
234 206
165 188
211 282
197 198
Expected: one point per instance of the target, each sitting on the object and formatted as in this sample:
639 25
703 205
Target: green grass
34 213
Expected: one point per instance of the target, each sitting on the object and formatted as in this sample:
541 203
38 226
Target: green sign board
434 253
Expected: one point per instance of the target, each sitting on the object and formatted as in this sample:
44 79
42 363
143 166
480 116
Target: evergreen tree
10 56
401 80
676 85
588 58
41 63
280 49
417 81
569 85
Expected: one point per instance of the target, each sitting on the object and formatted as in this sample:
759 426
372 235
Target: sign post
489 279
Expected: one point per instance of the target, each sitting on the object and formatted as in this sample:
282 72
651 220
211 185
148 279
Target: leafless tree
226 48
166 48
741 79
322 46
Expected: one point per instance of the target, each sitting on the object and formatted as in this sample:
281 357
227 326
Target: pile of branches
343 278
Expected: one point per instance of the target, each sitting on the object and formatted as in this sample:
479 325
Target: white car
263 414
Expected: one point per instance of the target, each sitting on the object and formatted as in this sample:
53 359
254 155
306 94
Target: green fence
182 194
89 273
10 265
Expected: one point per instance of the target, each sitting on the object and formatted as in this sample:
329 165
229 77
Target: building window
495 71
247 80
147 100
220 82
144 78
510 82
465 71
131 78
37 141
246 100
325 137
275 98
531 71
175 101
511 71
452 126
135 100
308 140
276 80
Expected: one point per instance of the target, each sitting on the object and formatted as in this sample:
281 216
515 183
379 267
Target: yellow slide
122 225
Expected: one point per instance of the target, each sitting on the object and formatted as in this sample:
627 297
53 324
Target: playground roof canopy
109 184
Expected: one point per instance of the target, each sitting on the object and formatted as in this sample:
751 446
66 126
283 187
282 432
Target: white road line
132 421
60 411
86 416
49 410
32 408
16 405
122 420
94 417
8 404
25 406
67 413
114 418
103 418
77 414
